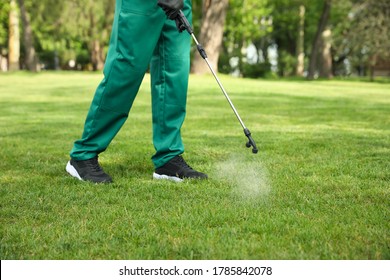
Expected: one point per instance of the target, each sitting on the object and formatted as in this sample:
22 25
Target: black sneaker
88 170
177 169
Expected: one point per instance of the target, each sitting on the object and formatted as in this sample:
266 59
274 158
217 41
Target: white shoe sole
166 177
72 171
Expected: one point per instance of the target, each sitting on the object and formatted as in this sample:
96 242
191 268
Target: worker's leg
170 67
136 31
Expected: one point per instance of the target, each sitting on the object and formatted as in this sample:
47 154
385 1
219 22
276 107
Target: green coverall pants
141 36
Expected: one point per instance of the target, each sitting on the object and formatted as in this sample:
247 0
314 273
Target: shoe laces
94 164
181 162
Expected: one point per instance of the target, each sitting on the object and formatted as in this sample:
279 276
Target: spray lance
185 25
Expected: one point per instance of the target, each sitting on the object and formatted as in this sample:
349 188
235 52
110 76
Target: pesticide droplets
247 176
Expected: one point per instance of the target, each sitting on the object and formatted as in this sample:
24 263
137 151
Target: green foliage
317 188
283 30
359 31
286 63
286 26
4 12
247 22
91 19
360 34
196 14
66 27
47 58
92 24
83 58
370 27
256 70
224 63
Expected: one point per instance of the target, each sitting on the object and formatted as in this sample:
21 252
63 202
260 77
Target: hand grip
184 22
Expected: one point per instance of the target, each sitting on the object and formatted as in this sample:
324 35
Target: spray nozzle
251 142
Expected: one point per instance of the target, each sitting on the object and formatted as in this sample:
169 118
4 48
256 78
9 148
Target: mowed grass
319 188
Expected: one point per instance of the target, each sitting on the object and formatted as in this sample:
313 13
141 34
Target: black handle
184 22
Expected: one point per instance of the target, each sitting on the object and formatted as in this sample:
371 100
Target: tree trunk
97 56
242 55
13 38
372 63
326 55
31 60
317 40
98 34
301 43
211 34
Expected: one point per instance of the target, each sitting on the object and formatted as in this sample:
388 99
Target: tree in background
92 27
320 44
4 23
300 51
368 37
248 24
36 19
55 32
30 57
302 29
13 37
352 39
294 25
47 20
211 33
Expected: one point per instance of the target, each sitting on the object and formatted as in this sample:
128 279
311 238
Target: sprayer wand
185 25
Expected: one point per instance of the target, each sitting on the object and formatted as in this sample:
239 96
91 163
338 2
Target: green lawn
319 188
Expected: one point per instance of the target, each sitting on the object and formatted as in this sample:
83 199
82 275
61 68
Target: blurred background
245 38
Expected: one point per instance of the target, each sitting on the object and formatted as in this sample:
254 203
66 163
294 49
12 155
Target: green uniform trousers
141 36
